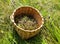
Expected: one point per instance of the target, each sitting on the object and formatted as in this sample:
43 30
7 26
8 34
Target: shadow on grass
34 40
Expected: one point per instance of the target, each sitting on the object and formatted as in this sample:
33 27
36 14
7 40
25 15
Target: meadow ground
50 32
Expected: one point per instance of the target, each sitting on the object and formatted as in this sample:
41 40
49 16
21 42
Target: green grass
50 32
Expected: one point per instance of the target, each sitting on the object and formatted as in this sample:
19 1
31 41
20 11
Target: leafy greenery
50 32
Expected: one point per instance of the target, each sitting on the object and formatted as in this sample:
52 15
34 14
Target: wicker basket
25 34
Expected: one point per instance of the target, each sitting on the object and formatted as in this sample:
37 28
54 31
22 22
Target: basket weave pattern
25 34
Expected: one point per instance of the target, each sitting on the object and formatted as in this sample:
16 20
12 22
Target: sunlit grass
50 32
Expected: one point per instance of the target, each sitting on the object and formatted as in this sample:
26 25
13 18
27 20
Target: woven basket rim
12 19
